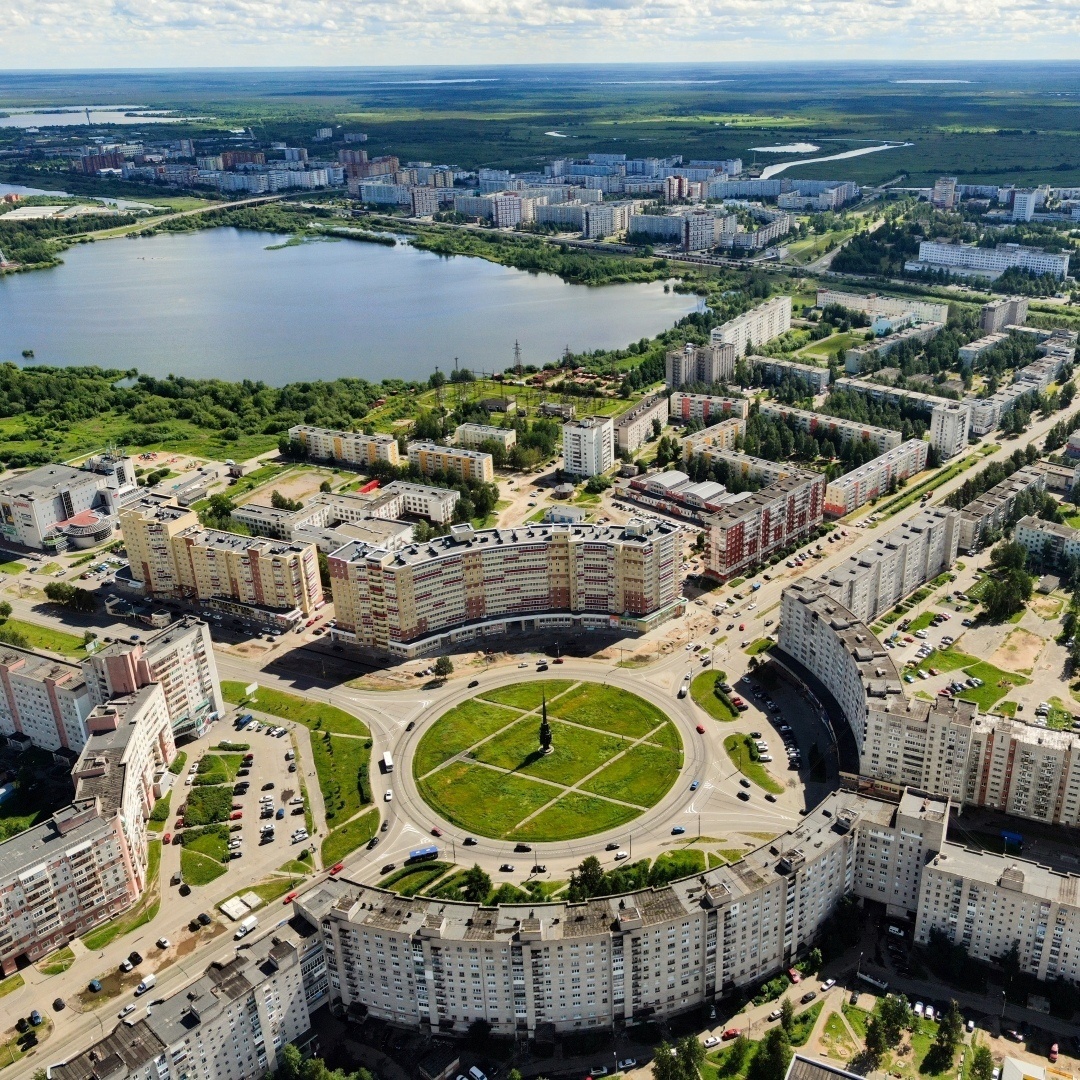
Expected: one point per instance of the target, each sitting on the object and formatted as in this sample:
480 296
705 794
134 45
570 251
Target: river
217 303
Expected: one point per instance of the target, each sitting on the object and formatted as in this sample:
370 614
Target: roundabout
610 757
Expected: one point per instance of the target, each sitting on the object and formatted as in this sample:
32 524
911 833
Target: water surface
217 303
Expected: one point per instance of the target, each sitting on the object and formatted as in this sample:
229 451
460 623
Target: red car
557 660
730 1033
236 815
336 868
436 831
793 975
742 626
168 838
289 898
700 729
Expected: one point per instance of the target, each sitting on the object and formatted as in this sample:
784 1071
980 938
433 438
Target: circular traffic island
605 757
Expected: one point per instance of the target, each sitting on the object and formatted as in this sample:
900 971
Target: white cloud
147 33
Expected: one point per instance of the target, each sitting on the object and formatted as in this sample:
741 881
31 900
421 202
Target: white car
163 943
127 1010
929 1013
918 1008
620 855
627 1063
828 984
389 796
712 1040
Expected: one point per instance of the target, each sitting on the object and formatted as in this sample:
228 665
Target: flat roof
46 482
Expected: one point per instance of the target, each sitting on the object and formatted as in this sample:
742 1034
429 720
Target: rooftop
46 482
40 842
32 665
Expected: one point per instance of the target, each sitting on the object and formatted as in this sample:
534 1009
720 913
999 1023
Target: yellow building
431 458
352 446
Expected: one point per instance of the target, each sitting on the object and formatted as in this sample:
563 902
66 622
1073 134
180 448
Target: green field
218 769
528 695
313 715
825 349
45 637
200 869
342 764
496 790
348 837
702 691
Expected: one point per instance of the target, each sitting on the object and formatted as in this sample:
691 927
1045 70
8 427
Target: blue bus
423 854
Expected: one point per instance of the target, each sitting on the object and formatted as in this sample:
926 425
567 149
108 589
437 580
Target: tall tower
517 359
545 728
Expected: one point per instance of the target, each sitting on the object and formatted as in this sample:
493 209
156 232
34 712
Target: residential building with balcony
432 458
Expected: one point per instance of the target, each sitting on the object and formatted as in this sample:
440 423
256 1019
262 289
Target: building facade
950 424
431 458
588 445
839 431
869 481
472 584
472 436
968 260
998 314
635 427
46 700
774 370
708 408
353 447
756 326
704 364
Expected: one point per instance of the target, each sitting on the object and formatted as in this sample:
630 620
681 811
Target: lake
73 115
217 303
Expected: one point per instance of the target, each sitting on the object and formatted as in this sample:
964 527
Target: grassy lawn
213 842
572 816
11 983
804 1023
15 1049
457 730
668 737
145 910
701 690
528 695
857 1018
45 637
410 880
996 684
837 1039
672 865
921 622
948 660
159 816
267 891
759 646
738 749
312 714
200 869
642 776
347 838
825 348
177 767
342 764
208 805
218 769
575 752
481 800
12 567
609 709
57 963
296 868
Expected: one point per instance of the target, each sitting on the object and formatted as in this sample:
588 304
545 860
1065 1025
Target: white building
950 423
874 305
756 326
635 426
473 436
588 445
698 231
1024 205
969 260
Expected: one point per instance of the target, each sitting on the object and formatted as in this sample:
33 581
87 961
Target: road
154 222
711 811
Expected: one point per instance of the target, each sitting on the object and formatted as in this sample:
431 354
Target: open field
348 837
528 695
312 714
1019 651
623 752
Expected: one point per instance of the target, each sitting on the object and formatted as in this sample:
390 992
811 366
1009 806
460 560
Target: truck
148 983
387 762
245 927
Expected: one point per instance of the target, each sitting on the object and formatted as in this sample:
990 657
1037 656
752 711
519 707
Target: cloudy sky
156 33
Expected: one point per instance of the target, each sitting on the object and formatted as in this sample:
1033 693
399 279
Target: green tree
5 610
475 885
1009 555
444 667
773 1057
587 880
665 1064
691 1057
290 1062
982 1063
326 486
787 1015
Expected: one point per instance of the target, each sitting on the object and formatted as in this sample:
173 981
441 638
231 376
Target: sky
182 33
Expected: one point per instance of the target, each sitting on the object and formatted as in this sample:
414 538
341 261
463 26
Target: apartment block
44 699
991 510
698 231
635 427
950 425
430 458
773 370
839 431
869 481
150 527
180 658
88 862
971 352
474 584
704 364
878 576
1048 544
472 436
867 357
998 314
967 260
891 395
874 305
711 440
708 408
748 530
353 447
588 445
425 201
756 326
230 1023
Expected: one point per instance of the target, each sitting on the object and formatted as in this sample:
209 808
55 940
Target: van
147 984
476 1074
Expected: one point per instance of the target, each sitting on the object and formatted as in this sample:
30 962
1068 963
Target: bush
161 808
207 805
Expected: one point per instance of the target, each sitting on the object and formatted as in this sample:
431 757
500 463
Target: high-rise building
588 445
705 364
698 231
43 699
950 423
180 658
996 315
1024 204
425 201
756 326
944 195
853 489
468 584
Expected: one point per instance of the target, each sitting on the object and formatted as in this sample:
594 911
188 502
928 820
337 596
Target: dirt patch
299 484
1046 607
193 941
1019 651
113 985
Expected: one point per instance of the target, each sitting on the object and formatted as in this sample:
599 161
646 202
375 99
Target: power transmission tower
517 359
